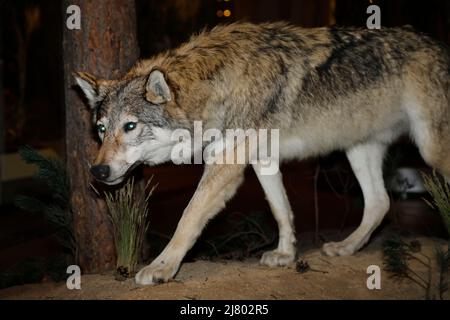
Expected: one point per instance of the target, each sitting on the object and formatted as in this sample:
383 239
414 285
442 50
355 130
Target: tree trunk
106 46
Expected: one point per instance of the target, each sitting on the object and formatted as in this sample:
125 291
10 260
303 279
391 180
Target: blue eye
130 126
101 128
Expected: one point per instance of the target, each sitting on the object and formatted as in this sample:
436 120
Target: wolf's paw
276 258
155 274
333 249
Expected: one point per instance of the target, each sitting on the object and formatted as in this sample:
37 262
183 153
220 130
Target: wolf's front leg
218 184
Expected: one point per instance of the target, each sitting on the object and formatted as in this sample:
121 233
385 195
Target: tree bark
105 46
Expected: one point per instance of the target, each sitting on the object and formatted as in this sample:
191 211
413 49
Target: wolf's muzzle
100 172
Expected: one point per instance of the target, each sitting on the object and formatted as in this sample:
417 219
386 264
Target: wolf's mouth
123 176
132 167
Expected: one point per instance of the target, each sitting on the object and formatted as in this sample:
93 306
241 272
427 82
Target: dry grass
128 212
440 192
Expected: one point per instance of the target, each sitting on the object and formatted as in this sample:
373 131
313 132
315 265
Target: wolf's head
131 121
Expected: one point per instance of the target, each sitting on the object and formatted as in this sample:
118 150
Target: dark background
34 115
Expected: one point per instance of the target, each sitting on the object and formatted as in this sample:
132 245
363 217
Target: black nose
100 172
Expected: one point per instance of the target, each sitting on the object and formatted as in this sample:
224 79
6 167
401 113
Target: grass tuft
440 192
128 212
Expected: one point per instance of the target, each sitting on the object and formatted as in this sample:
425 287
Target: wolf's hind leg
429 117
436 151
275 193
366 161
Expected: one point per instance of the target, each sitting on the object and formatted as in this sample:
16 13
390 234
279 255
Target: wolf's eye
101 128
130 126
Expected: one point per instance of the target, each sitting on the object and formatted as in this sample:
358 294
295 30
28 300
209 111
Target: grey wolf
325 89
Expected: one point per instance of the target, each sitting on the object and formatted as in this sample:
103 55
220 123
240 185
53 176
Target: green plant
57 211
31 270
443 262
397 255
440 192
128 212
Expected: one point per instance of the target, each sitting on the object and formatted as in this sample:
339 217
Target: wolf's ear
157 90
89 84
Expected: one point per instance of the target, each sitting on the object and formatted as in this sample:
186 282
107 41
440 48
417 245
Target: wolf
325 89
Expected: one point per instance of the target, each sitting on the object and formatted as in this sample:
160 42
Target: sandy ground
331 278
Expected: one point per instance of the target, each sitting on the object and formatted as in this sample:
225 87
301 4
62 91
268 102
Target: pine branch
52 172
443 261
29 204
396 254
